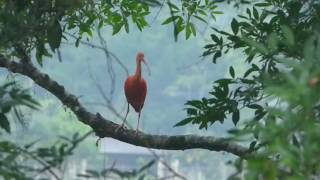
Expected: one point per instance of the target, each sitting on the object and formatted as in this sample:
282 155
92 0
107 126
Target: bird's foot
121 127
136 132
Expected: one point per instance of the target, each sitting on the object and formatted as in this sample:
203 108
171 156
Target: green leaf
217 12
208 46
295 141
78 41
255 106
206 53
252 145
84 175
184 122
255 13
231 71
27 146
216 56
193 29
265 4
215 38
40 52
194 103
263 16
54 35
191 111
4 123
248 12
126 26
248 72
235 117
272 41
203 125
178 27
258 46
188 30
201 19
117 28
288 35
152 3
259 114
248 81
6 109
170 19
235 26
100 25
234 131
224 81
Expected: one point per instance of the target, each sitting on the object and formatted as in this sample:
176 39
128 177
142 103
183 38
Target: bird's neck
138 70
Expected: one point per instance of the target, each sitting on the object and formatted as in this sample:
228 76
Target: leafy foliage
26 161
262 35
280 40
12 96
182 16
36 24
113 173
41 25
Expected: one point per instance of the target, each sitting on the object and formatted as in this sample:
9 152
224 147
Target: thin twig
101 48
167 177
158 12
108 102
111 72
167 165
74 145
43 163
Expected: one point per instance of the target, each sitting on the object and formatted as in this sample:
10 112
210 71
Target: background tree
279 41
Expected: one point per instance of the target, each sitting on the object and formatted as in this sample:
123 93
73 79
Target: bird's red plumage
135 90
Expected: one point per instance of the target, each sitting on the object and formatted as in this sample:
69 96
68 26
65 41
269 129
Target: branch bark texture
106 128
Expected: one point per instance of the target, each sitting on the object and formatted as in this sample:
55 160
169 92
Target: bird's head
140 58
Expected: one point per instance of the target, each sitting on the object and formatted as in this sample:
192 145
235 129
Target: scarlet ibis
135 88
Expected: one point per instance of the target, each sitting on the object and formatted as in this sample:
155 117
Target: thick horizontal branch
106 128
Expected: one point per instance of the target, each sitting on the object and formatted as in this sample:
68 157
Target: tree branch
106 128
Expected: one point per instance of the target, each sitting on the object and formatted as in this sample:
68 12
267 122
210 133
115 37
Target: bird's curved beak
148 68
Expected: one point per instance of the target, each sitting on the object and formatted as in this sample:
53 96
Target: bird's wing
143 89
135 92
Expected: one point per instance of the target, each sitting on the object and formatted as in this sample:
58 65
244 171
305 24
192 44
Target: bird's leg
124 120
137 129
125 117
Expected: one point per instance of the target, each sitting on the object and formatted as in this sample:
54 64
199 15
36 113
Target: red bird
135 88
